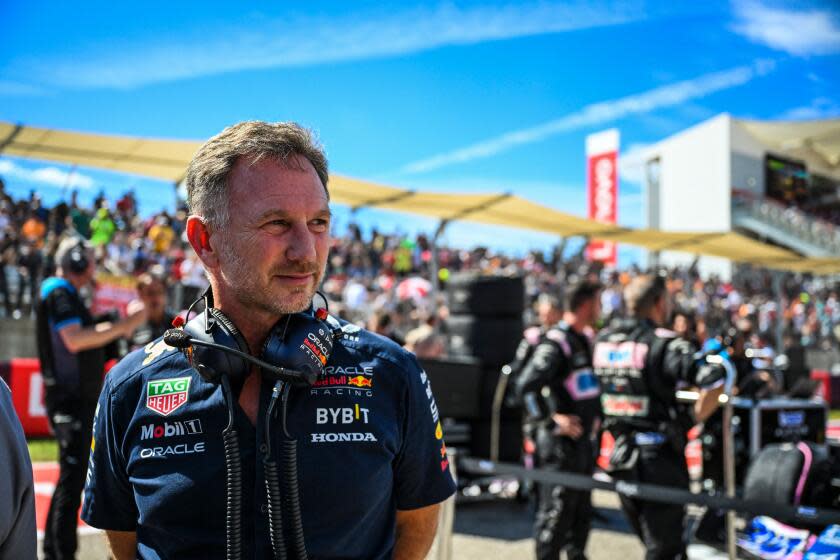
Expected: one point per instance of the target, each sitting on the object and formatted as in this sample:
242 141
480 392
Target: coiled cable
233 481
275 508
287 503
272 480
292 498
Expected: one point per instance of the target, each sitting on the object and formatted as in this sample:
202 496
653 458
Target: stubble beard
252 293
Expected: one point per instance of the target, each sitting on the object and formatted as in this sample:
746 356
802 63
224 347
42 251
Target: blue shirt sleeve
422 476
108 498
62 309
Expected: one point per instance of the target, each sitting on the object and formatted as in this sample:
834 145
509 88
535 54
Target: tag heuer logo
166 395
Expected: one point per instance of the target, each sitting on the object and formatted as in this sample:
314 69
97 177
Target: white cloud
668 121
598 114
798 32
307 41
820 108
46 175
9 88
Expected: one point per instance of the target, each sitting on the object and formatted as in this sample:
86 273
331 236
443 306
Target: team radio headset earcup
77 259
300 341
211 363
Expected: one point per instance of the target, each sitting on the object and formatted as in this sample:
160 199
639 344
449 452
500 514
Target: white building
769 180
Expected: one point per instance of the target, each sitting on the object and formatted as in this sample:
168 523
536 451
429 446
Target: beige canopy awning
815 142
151 157
168 159
160 159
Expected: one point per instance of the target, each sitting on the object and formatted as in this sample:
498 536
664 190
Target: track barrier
654 492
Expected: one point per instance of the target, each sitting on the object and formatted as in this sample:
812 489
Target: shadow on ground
511 520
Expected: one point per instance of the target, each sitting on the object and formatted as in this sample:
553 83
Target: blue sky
466 96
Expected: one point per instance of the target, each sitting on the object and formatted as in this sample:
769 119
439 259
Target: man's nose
301 245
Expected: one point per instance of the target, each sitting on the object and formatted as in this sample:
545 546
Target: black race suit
72 382
558 378
640 367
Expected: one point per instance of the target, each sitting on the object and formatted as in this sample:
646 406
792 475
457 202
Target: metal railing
790 220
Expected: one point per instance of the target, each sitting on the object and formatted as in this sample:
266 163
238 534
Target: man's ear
198 235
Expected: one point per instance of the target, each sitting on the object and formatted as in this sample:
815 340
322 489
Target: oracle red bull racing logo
164 396
316 348
349 380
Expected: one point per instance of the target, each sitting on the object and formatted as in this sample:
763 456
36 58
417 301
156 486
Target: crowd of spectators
124 244
384 281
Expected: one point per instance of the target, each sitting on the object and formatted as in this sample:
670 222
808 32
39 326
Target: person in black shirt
152 292
560 396
640 366
70 347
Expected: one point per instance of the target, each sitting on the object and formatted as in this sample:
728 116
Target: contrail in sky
598 113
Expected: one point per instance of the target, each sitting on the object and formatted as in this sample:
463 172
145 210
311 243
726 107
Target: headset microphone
179 338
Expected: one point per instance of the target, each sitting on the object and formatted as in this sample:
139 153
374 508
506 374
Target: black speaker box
486 296
510 440
492 341
456 384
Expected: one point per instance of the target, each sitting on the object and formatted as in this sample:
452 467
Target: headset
294 354
301 342
76 259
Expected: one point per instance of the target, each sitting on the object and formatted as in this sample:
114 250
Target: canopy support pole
435 268
442 226
557 260
10 138
780 320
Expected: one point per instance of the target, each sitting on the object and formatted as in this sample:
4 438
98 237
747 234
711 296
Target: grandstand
774 181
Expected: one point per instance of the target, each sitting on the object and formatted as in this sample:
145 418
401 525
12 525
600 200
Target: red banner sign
28 396
113 292
27 386
602 189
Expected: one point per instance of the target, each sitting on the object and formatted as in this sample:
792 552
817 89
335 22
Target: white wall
695 178
695 187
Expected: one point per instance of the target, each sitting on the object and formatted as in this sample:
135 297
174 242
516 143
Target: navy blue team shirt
369 443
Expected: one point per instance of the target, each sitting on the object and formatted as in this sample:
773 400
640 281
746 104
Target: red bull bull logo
360 381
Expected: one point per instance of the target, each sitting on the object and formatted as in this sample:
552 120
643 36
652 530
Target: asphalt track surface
503 529
500 529
483 531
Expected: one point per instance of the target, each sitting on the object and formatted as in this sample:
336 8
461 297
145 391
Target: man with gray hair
371 464
71 351
640 366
